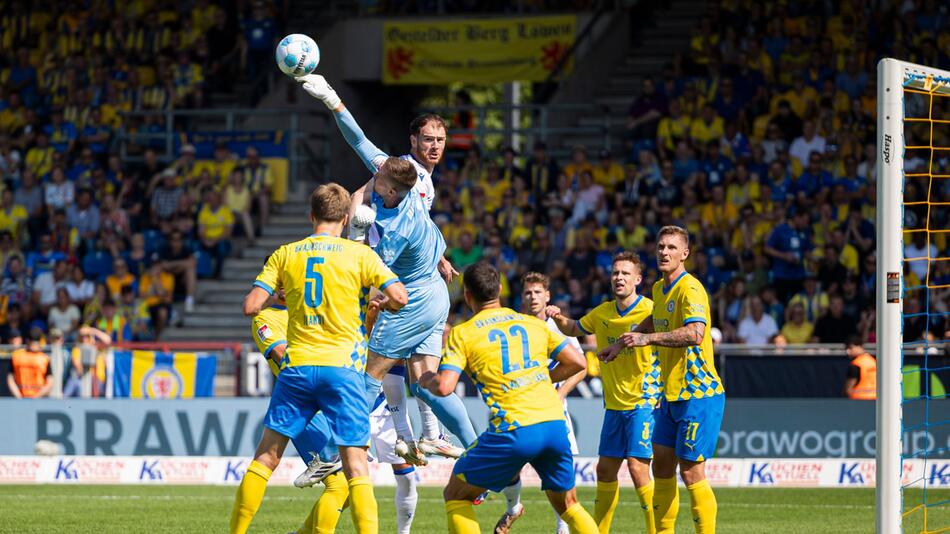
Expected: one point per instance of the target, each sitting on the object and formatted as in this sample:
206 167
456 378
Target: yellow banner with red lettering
485 50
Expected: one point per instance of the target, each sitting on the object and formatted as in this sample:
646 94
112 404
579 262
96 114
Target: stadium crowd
761 141
85 238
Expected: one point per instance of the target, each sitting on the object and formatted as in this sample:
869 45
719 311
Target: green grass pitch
180 509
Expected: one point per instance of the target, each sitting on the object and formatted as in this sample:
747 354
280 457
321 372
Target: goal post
905 108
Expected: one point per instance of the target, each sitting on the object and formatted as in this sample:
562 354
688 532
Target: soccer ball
297 55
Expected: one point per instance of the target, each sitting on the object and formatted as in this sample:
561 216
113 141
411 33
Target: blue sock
451 412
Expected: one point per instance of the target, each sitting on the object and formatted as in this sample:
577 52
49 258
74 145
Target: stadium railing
308 149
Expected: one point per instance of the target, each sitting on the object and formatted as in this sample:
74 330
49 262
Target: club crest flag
145 374
484 50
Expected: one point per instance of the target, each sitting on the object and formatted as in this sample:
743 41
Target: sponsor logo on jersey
263 332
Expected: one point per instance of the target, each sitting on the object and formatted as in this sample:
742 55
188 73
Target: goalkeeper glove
363 218
316 86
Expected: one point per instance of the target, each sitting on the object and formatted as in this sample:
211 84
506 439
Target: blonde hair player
690 414
322 367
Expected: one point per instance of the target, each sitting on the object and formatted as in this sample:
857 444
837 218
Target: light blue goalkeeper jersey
410 243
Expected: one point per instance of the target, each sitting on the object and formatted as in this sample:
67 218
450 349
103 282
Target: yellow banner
475 50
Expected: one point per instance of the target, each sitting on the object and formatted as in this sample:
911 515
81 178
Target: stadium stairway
671 33
217 315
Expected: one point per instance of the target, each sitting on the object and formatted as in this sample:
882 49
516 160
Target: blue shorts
336 391
627 433
415 329
497 457
690 426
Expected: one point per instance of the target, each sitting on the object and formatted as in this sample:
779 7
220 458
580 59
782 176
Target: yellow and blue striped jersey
269 330
506 354
631 380
325 281
688 372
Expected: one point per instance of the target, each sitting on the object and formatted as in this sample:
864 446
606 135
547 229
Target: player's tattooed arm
684 336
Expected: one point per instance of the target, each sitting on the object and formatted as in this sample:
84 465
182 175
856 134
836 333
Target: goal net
913 292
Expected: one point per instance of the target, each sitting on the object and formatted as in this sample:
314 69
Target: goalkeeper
427 141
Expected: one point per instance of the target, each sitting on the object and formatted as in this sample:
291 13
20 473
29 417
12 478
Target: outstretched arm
318 87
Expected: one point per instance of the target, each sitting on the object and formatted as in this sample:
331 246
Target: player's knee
639 471
607 470
562 500
664 462
692 472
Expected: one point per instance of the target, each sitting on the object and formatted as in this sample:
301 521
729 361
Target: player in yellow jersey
506 355
269 331
631 389
326 351
690 414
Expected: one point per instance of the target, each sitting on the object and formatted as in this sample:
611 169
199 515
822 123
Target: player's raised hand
609 353
552 311
317 86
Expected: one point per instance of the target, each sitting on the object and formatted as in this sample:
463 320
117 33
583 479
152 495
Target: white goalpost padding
892 77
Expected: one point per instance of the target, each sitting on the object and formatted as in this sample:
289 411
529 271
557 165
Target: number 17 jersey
325 281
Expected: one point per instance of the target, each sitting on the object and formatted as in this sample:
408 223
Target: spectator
59 192
259 181
834 326
86 359
757 328
17 285
797 329
787 246
861 383
920 252
164 199
466 253
46 285
831 272
84 217
64 315
807 143
157 288
120 277
12 216
80 289
114 324
645 111
178 260
259 40
707 127
812 298
30 378
214 229
237 197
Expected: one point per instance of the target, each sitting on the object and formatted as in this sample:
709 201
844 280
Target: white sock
394 387
406 498
561 525
430 423
513 496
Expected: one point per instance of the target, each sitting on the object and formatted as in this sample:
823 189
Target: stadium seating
68 73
